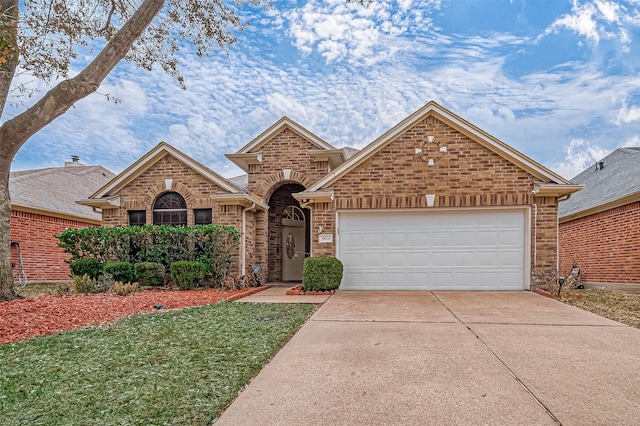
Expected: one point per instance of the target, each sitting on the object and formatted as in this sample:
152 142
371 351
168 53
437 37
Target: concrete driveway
418 358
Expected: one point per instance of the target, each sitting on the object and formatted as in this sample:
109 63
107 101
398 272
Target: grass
174 368
615 305
37 288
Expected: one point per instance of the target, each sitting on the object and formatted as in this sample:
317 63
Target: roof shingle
619 176
56 189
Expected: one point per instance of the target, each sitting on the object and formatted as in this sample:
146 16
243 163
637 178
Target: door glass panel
291 246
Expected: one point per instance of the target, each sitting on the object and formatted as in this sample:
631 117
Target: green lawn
171 368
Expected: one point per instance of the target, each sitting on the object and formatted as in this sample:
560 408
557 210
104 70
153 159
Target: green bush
120 271
188 274
84 284
149 273
210 244
321 273
92 267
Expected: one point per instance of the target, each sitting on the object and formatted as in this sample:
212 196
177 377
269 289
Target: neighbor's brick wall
468 175
42 259
606 245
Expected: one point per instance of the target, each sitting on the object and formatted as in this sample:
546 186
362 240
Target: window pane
202 216
137 217
170 200
170 209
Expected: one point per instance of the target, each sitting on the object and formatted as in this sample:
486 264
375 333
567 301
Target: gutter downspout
243 249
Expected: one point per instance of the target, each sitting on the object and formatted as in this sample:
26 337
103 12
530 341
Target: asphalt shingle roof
58 188
619 176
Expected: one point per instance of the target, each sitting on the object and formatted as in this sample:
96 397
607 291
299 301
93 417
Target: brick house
433 203
42 206
599 227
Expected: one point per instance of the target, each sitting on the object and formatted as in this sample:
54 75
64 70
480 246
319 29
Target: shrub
104 283
149 273
122 289
321 273
121 271
92 267
84 284
188 274
210 244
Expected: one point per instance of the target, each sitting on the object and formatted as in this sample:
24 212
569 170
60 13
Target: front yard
618 306
179 367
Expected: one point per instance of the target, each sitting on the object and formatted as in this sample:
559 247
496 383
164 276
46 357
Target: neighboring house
600 225
433 203
43 205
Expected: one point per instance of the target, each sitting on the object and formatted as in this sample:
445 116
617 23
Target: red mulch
50 314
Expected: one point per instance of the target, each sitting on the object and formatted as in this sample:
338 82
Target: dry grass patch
615 305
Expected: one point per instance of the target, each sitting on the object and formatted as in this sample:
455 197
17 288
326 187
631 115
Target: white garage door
481 249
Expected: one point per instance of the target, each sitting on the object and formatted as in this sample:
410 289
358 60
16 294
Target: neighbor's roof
54 190
617 183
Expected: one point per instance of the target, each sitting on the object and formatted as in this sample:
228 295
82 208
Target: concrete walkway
448 358
278 295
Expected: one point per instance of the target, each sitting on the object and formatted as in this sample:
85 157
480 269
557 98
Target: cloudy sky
558 80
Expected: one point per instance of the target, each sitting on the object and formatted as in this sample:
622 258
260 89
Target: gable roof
152 157
615 184
278 127
250 153
53 190
463 126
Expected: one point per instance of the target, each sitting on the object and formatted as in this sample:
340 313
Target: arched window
170 209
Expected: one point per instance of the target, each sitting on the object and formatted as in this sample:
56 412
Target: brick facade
43 260
141 193
606 245
470 174
467 175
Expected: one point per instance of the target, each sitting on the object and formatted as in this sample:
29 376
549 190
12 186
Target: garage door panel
373 239
511 237
480 249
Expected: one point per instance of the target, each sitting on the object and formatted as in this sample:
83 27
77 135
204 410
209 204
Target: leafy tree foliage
45 37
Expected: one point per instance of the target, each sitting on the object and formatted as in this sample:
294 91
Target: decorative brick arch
272 182
160 188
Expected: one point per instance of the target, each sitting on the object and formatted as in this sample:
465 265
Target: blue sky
558 80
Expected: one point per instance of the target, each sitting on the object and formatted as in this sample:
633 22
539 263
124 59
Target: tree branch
15 132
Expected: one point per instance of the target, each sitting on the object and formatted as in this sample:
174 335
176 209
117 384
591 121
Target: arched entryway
289 234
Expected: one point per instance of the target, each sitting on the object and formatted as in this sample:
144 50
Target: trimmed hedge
120 271
188 274
321 273
213 245
91 267
149 273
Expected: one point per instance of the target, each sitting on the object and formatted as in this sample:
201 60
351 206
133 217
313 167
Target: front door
293 243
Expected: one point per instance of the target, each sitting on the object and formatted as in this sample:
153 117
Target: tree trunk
15 132
7 287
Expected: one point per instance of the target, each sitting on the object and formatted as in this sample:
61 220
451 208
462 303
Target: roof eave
244 200
607 205
476 134
244 160
555 189
276 128
149 159
55 213
308 198
335 157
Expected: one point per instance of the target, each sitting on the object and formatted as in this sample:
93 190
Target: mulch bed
50 313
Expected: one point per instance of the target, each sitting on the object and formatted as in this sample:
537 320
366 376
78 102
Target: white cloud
342 31
579 155
596 20
627 114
